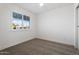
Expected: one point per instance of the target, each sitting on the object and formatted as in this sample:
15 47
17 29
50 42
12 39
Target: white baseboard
16 43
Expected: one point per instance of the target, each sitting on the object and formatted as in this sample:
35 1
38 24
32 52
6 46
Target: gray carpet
40 47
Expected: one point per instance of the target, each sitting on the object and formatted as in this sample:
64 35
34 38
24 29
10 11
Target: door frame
76 26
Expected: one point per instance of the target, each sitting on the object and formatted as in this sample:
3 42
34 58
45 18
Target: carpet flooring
40 47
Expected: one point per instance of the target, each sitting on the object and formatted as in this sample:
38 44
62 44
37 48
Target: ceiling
36 9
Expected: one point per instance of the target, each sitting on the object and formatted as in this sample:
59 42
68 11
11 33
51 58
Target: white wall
9 37
57 25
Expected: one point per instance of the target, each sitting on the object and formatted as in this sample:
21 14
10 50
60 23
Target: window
26 21
20 21
17 16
